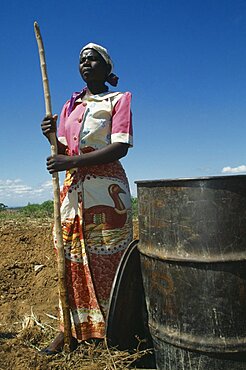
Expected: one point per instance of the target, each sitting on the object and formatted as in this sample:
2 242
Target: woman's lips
86 70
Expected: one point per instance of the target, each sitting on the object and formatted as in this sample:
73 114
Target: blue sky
183 60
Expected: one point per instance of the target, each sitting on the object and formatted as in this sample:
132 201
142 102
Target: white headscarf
102 51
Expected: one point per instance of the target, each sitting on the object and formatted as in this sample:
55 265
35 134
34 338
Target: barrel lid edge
155 182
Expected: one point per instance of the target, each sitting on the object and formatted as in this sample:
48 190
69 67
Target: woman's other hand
59 162
48 125
108 154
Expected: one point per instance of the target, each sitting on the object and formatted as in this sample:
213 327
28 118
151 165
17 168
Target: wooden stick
56 190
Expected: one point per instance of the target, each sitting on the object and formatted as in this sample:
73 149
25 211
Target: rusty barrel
193 260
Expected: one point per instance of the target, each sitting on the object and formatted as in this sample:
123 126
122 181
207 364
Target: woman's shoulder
75 98
126 93
122 96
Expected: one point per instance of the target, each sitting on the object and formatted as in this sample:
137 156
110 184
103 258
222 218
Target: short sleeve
61 129
122 121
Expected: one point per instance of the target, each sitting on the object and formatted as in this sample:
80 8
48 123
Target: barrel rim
189 257
193 342
157 182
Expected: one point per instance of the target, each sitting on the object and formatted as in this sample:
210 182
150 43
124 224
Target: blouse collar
78 97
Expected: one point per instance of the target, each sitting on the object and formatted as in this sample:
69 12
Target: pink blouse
96 121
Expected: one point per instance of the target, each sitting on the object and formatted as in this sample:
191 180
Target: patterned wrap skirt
97 228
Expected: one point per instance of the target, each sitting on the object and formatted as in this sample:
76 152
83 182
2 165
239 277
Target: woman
95 131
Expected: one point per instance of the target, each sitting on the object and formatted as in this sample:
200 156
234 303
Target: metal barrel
193 260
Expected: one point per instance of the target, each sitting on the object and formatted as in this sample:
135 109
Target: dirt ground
29 298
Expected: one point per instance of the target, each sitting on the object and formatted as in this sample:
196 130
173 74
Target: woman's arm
108 154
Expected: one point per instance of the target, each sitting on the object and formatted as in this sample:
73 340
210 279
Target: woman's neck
97 88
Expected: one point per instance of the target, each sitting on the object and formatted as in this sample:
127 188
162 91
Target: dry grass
36 335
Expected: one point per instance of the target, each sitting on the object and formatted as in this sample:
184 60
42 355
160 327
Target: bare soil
29 298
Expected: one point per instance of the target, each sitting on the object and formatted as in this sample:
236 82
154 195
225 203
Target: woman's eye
89 58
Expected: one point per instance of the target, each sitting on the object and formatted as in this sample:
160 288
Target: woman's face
92 66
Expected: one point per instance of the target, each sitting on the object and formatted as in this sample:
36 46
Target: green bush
38 210
134 207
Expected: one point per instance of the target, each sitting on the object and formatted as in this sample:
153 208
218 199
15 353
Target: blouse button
84 104
75 138
80 120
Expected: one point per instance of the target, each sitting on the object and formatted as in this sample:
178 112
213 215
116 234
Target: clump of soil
29 300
